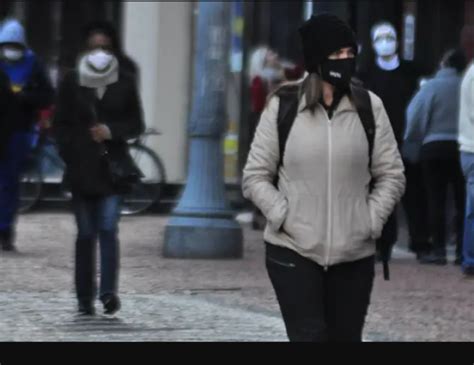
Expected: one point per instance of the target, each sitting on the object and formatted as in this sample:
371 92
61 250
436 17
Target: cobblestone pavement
162 317
183 300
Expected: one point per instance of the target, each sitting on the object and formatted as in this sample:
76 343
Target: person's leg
85 211
298 284
348 292
459 188
108 220
6 203
435 172
11 167
415 206
468 243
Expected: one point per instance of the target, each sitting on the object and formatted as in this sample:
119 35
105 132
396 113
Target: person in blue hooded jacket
32 91
431 139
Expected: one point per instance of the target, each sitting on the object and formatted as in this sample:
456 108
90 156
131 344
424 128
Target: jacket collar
346 104
447 72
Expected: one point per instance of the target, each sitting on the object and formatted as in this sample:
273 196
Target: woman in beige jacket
323 217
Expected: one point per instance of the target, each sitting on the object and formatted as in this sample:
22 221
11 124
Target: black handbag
118 164
121 169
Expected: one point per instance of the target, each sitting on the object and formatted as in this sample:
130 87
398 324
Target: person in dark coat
395 80
31 91
98 110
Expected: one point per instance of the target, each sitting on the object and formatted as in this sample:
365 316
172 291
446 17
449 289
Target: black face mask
338 72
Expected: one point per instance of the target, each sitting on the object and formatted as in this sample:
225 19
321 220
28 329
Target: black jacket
6 100
37 94
77 109
395 88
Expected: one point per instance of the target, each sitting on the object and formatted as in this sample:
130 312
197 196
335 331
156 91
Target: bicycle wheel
31 182
148 191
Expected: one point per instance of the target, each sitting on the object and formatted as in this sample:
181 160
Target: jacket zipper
329 225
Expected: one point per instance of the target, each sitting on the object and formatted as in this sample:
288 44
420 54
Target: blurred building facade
159 36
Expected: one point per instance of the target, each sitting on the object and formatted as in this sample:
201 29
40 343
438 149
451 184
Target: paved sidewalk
182 300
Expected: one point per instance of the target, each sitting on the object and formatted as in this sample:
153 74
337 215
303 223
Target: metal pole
203 226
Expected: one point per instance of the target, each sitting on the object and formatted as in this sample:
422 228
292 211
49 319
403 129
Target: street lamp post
202 226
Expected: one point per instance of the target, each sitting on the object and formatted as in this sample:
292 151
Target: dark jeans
97 218
320 306
415 205
442 168
11 167
467 160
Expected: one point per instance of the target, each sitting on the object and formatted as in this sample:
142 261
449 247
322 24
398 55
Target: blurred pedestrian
266 73
395 80
466 142
32 91
98 110
431 139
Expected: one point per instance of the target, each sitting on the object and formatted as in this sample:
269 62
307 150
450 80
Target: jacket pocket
280 263
352 222
305 221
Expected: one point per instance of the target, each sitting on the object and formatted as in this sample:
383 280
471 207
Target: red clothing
259 88
258 94
295 73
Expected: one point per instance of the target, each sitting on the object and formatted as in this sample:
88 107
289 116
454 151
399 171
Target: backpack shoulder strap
287 112
363 105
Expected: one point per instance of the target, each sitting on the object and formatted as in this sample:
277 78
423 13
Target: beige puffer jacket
322 208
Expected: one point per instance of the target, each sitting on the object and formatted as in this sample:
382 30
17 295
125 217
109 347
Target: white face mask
385 47
271 74
100 60
13 54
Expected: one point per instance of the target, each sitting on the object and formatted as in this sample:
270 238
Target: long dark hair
106 28
455 58
310 88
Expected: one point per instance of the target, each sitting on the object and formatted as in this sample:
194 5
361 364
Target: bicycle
148 191
45 166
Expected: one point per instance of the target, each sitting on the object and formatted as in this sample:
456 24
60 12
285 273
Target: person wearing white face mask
98 110
32 92
266 72
395 81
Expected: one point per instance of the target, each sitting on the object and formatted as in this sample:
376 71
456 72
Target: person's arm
261 169
258 93
470 97
131 124
63 124
417 116
387 171
38 92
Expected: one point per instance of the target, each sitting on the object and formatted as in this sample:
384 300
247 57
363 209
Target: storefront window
308 9
231 140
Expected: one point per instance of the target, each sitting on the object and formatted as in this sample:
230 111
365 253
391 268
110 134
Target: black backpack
289 103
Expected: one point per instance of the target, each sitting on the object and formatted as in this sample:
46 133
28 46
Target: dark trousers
97 218
415 205
320 306
441 169
11 167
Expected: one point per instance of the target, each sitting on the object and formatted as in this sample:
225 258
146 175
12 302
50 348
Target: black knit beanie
323 35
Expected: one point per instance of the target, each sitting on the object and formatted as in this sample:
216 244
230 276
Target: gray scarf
88 77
